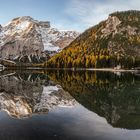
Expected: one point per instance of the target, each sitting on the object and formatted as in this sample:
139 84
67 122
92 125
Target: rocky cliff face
27 40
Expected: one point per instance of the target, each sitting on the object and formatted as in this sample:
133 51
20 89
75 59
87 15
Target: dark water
69 105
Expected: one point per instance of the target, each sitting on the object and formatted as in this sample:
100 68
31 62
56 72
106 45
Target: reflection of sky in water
91 125
64 123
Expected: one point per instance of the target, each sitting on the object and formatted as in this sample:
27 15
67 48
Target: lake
69 105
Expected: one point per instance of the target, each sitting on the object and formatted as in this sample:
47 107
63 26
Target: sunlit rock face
111 25
27 40
24 95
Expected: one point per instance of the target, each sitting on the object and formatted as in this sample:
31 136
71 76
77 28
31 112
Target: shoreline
73 69
113 70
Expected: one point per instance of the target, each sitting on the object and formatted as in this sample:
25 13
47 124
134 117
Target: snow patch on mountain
52 35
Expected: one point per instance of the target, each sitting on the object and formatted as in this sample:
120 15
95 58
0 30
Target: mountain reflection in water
24 94
113 96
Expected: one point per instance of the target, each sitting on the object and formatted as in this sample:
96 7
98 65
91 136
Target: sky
65 14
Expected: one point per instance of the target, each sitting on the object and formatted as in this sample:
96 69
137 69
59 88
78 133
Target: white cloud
90 12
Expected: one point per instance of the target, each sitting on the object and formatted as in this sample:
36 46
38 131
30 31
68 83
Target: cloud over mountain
90 12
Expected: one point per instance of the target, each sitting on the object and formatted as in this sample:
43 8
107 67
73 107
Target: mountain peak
128 12
25 21
131 16
23 18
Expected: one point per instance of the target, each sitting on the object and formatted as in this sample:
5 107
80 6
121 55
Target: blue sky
65 14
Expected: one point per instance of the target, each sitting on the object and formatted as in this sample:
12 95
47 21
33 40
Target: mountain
27 40
114 42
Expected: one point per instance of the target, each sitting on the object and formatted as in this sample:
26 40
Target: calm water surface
69 105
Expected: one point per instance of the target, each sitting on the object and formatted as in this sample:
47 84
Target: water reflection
114 96
23 94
